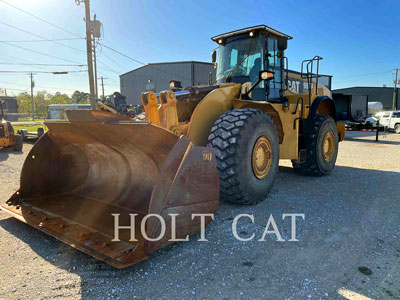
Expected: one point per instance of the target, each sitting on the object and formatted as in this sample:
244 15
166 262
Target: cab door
274 65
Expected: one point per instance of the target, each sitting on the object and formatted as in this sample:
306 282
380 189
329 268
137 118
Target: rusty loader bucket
97 164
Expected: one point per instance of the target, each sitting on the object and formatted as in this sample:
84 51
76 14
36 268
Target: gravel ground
348 243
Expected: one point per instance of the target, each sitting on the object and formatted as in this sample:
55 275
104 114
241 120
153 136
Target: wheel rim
262 157
328 146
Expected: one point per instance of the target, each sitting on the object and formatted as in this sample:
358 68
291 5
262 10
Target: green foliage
42 99
24 103
80 97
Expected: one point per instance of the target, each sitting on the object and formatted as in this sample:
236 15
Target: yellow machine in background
196 146
8 138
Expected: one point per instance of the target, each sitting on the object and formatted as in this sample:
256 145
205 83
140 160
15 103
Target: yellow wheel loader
8 138
87 178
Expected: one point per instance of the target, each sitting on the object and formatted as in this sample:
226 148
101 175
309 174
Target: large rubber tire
19 142
315 130
234 136
40 132
397 128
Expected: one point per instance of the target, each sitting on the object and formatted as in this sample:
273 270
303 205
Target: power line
115 62
107 69
108 78
47 40
261 10
39 86
43 72
21 60
14 89
13 83
142 63
116 51
27 61
41 37
41 19
67 60
50 65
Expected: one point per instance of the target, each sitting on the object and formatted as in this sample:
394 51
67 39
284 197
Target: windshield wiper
229 77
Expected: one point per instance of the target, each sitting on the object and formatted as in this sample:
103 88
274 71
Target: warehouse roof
365 87
165 63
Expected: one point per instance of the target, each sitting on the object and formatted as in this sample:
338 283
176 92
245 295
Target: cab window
274 63
2 132
10 128
396 115
240 59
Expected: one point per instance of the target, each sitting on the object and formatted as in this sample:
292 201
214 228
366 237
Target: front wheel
321 142
19 142
247 153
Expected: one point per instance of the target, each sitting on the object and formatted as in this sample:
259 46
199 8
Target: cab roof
249 29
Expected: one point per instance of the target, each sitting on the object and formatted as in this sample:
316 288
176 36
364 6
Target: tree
59 98
80 97
40 102
24 103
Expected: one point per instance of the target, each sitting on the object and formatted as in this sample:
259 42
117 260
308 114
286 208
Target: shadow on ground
381 141
6 152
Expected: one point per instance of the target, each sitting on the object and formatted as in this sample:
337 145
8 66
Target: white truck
389 119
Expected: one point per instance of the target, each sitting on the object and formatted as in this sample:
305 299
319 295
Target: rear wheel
19 141
397 128
247 152
40 131
321 143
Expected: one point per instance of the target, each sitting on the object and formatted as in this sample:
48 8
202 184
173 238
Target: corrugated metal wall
188 73
375 94
202 73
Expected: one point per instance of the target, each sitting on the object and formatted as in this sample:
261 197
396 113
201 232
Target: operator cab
244 53
115 100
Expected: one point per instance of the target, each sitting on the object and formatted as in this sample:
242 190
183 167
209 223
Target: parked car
389 119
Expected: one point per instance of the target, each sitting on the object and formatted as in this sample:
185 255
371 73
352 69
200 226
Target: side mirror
282 43
214 56
263 75
266 75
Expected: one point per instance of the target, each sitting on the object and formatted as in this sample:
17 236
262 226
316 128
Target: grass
32 128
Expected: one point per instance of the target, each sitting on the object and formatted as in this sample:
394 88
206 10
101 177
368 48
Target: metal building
157 76
10 107
375 94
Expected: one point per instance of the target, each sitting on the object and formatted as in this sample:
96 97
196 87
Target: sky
358 40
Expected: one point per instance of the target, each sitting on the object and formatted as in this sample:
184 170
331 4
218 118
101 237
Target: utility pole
89 52
102 85
395 91
95 65
96 91
32 85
